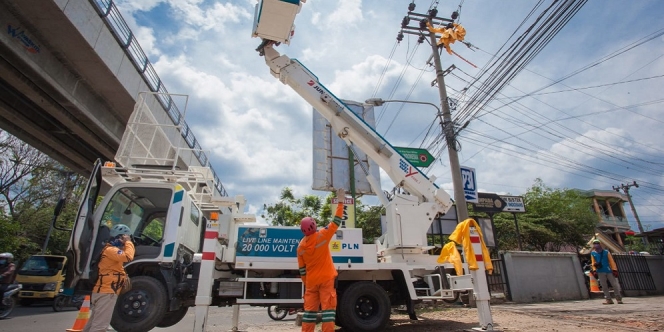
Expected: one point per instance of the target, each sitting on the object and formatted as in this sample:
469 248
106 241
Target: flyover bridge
70 73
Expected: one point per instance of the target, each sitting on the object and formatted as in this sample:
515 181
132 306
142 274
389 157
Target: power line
585 87
519 54
562 160
631 46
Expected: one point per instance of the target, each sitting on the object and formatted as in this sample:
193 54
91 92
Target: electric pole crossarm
421 16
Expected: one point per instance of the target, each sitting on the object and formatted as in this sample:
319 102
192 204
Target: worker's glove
615 273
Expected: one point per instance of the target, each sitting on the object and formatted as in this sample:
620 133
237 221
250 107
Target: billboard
330 159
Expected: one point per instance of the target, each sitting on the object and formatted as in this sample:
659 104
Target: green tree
30 184
554 218
289 210
368 219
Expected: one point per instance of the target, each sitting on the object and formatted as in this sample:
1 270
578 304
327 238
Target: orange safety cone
83 316
594 286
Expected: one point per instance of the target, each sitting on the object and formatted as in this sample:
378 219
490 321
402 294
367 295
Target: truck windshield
41 266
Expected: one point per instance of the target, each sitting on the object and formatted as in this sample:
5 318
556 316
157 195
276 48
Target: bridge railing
125 37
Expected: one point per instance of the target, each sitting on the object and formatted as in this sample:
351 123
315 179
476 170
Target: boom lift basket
273 19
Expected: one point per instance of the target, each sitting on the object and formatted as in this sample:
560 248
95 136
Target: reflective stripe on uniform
309 316
303 271
329 315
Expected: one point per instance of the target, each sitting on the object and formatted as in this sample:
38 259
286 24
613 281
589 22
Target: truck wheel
337 316
365 307
141 308
173 317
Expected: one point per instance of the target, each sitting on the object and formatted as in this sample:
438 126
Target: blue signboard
469 184
279 244
268 242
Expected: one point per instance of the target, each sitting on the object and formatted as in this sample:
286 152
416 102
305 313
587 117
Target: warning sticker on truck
279 244
268 242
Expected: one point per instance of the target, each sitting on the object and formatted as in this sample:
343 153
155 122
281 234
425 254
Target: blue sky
258 131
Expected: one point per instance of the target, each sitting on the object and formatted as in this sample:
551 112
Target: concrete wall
656 266
544 276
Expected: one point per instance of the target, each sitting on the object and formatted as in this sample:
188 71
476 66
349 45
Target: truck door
81 242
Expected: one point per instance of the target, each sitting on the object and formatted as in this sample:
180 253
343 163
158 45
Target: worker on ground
111 279
7 272
317 270
603 264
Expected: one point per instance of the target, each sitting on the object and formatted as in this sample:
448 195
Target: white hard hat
120 229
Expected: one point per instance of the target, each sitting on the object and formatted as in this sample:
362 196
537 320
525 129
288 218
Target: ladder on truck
153 149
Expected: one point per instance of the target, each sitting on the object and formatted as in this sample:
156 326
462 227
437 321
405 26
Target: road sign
489 203
417 157
514 204
348 219
469 184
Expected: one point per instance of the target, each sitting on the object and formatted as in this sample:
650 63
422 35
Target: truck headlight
50 286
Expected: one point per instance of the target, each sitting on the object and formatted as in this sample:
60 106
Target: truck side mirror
58 207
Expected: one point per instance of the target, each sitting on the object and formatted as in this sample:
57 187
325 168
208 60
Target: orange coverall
111 268
318 274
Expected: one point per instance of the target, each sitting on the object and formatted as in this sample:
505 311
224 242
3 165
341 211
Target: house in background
612 221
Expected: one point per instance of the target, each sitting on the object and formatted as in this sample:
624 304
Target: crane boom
408 215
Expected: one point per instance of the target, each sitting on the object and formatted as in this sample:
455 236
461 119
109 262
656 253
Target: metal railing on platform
125 37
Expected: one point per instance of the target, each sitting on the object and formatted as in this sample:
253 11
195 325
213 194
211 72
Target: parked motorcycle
9 300
277 313
62 301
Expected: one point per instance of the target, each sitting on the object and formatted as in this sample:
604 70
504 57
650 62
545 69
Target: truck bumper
36 295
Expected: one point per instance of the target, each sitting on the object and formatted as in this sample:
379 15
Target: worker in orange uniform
111 279
317 270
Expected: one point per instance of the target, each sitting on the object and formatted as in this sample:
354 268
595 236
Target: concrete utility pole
480 285
625 189
446 121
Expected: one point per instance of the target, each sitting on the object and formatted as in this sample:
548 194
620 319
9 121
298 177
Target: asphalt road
637 314
41 317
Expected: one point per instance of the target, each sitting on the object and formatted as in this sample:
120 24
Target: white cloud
259 131
193 13
347 12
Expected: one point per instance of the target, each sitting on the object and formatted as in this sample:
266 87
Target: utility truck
195 247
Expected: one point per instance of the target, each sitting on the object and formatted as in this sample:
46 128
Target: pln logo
335 246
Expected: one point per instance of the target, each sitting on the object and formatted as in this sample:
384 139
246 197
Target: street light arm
380 102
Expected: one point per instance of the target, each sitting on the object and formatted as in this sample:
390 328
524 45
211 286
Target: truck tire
365 307
141 308
173 317
337 316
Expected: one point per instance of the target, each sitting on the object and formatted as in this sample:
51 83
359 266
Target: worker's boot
608 301
619 301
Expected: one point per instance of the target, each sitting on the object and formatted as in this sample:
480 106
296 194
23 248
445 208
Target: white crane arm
354 131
